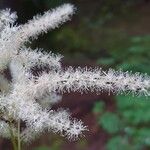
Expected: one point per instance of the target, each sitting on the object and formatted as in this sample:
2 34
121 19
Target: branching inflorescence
25 97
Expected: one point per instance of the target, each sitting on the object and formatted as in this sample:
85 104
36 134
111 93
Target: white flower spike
26 97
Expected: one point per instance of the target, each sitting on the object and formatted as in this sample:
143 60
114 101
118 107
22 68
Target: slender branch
13 140
19 140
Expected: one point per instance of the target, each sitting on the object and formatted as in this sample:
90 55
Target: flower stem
19 141
13 140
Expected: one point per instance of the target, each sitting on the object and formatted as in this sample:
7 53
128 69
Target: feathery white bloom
13 38
4 129
17 72
59 122
48 99
41 24
93 80
39 119
6 45
7 17
4 85
27 97
35 57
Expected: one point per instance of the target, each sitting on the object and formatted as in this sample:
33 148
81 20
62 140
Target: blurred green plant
132 55
110 122
43 148
118 143
128 125
99 107
54 146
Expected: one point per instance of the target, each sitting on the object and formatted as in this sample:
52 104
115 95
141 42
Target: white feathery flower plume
6 17
25 98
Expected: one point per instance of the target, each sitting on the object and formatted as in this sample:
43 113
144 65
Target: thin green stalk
19 140
13 140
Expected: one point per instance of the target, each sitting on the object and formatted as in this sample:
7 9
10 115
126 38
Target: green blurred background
106 33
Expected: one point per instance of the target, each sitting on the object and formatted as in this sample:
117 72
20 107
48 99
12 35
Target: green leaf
99 107
110 122
124 102
142 136
118 143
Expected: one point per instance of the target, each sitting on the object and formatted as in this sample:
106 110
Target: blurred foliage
110 122
89 34
55 146
42 148
99 107
128 125
117 143
132 55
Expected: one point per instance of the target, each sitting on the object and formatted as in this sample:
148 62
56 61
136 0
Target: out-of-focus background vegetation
106 33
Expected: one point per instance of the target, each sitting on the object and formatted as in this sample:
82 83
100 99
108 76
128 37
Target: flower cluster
27 97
